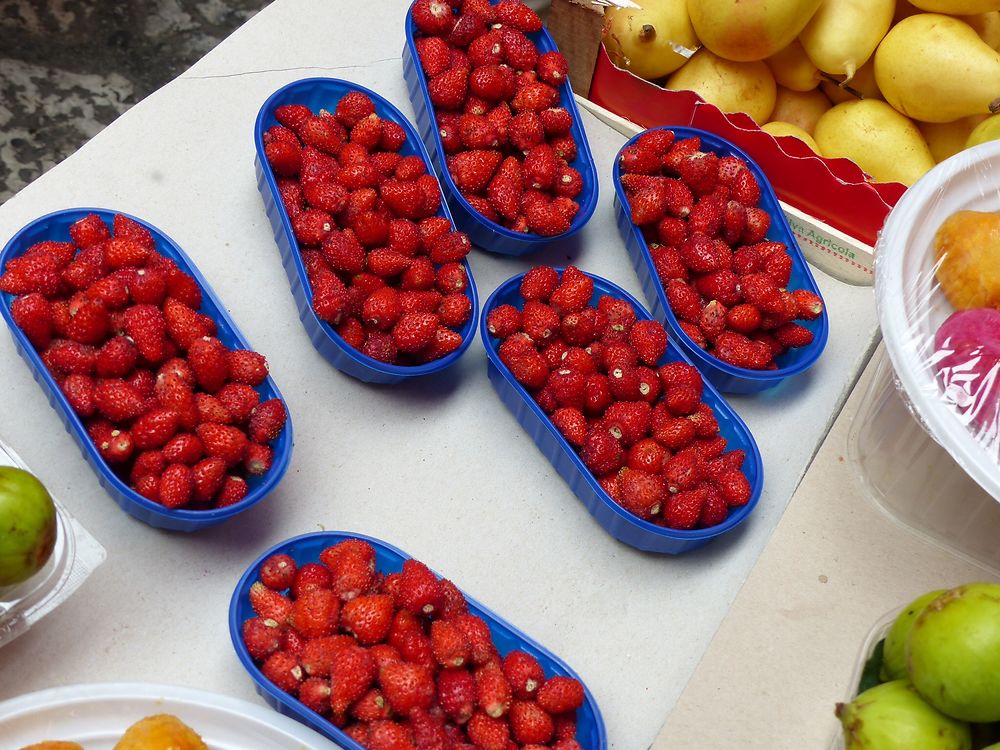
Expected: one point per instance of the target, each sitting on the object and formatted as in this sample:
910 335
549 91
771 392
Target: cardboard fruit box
835 210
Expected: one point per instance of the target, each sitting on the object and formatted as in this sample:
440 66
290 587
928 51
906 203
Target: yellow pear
844 34
987 25
948 138
800 108
957 7
884 143
935 68
748 30
779 129
987 130
649 41
731 86
863 83
793 69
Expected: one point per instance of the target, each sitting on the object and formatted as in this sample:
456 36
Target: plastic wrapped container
485 233
55 226
75 556
913 480
324 93
724 376
306 548
622 525
949 376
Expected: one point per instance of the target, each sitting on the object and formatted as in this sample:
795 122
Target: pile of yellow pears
894 85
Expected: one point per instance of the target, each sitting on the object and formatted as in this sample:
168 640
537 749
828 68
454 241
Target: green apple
27 525
953 652
891 716
894 657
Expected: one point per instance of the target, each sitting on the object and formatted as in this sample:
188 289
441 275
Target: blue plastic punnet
590 732
55 226
485 233
724 376
324 93
620 523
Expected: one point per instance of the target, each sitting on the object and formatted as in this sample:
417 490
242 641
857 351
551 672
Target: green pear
891 716
953 652
877 138
936 68
748 30
27 525
894 651
987 130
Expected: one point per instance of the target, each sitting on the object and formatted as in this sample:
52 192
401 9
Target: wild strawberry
539 168
646 455
146 326
291 115
488 733
525 131
267 420
406 686
314 614
420 591
627 421
432 17
414 331
455 310
647 205
262 637
546 219
112 292
448 644
314 692
636 159
743 318
472 170
722 285
154 428
793 335
32 313
713 319
120 252
734 488
683 300
284 157
368 618
209 359
649 339
683 509
282 669
380 346
601 452
118 401
449 89
310 576
207 478
494 690
352 567
184 448
560 695
573 293
779 267
760 290
457 694
530 724
427 301
596 394
70 357
176 486
518 51
641 493
233 490
89 230
227 443
756 224
352 108
258 459
700 253
670 431
79 391
680 373
810 305
682 471
745 188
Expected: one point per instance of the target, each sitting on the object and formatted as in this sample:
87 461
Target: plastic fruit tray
324 93
727 378
55 226
485 233
617 521
306 548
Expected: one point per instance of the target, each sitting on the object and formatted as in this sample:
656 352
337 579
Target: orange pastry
160 732
967 253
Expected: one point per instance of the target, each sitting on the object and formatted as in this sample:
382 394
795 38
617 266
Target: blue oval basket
622 525
306 548
55 226
324 93
724 376
485 233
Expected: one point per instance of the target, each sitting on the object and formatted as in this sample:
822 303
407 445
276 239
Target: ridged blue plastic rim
55 226
617 521
317 93
590 729
484 233
726 377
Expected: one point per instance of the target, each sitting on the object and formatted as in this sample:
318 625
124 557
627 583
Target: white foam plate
911 305
97 715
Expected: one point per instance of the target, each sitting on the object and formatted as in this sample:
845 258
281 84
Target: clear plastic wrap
74 558
947 360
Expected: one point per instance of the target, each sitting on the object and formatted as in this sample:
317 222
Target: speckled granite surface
69 67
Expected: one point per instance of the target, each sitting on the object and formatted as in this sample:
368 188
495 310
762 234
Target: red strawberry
310 576
449 89
267 420
89 230
649 340
494 690
672 432
432 17
457 694
207 478
448 644
488 733
552 68
809 305
743 318
314 614
118 401
524 674
560 695
793 335
571 424
455 310
539 283
371 706
601 452
414 331
734 488
450 248
154 428
684 509
247 367
518 51
282 668
722 285
262 637
407 686
70 357
682 471
227 443
209 359
704 421
639 160
539 168
504 191
32 313
368 618
529 723
546 219
233 490
683 300
627 421
79 391
352 565
343 252
515 13
745 188
314 692
573 293
434 54
176 486
477 632
756 224
642 493
258 459
534 97
647 455
420 591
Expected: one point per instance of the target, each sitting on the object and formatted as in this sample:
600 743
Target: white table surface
437 467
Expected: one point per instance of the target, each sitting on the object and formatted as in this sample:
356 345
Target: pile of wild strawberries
507 140
385 270
397 661
725 282
170 408
642 430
